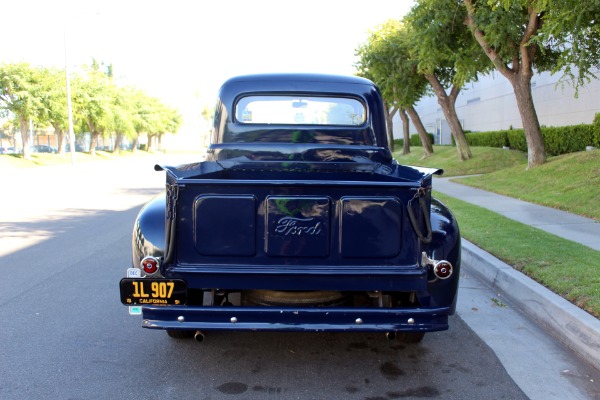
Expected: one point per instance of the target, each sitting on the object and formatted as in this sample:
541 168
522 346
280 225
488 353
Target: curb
572 326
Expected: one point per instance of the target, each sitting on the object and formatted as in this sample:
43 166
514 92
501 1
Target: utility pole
69 106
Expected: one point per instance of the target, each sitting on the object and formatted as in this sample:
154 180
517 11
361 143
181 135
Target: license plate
153 292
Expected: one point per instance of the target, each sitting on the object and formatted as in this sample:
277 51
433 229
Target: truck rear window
300 110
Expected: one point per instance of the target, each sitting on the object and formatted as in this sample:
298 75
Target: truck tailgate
346 214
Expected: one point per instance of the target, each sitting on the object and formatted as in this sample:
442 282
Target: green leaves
385 59
565 33
20 86
573 28
99 105
442 43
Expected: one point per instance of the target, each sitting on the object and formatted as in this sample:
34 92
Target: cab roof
227 130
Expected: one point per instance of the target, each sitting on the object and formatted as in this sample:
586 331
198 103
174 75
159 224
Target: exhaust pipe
390 335
199 336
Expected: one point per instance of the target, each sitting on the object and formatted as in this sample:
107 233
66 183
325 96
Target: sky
182 51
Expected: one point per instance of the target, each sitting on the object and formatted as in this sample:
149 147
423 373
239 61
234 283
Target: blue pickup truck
299 220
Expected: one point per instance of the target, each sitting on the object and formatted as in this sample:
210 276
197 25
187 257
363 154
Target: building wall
490 104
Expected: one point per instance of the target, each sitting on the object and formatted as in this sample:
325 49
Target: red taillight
442 269
150 265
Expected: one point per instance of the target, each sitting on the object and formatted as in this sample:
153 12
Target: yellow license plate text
157 290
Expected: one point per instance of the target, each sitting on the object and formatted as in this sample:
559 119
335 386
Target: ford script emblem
289 226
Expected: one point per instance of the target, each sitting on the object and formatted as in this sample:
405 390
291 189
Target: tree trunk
448 104
536 150
416 120
150 146
389 116
94 142
462 146
93 137
118 141
60 140
25 138
135 144
405 132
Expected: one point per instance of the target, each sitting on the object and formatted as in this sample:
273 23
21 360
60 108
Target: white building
489 104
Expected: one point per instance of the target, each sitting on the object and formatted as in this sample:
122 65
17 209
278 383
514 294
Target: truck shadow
340 365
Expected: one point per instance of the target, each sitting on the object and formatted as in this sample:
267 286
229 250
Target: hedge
558 140
597 130
415 140
568 139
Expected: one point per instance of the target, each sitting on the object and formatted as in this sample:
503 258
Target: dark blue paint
297 319
301 209
219 233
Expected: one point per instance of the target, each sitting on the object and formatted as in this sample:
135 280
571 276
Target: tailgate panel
370 227
288 229
225 225
301 217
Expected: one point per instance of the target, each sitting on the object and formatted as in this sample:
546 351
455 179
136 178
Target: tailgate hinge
170 223
421 196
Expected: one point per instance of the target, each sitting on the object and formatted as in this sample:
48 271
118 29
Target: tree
54 99
153 118
169 121
8 129
519 36
385 60
154 121
173 120
138 100
207 113
93 100
20 86
389 116
123 111
99 105
390 110
405 131
505 34
574 29
448 57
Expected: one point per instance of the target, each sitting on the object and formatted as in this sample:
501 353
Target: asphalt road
65 243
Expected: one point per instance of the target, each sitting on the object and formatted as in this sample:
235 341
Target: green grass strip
569 269
485 160
570 182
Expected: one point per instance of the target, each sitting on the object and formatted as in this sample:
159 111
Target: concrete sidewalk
571 325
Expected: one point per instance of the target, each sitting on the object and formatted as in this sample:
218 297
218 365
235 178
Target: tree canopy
385 59
520 36
100 106
20 96
447 55
451 42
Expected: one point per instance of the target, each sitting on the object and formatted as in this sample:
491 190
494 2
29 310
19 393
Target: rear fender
445 245
148 238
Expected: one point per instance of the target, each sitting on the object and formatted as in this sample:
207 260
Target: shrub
516 140
415 140
596 130
486 139
513 138
558 140
567 139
